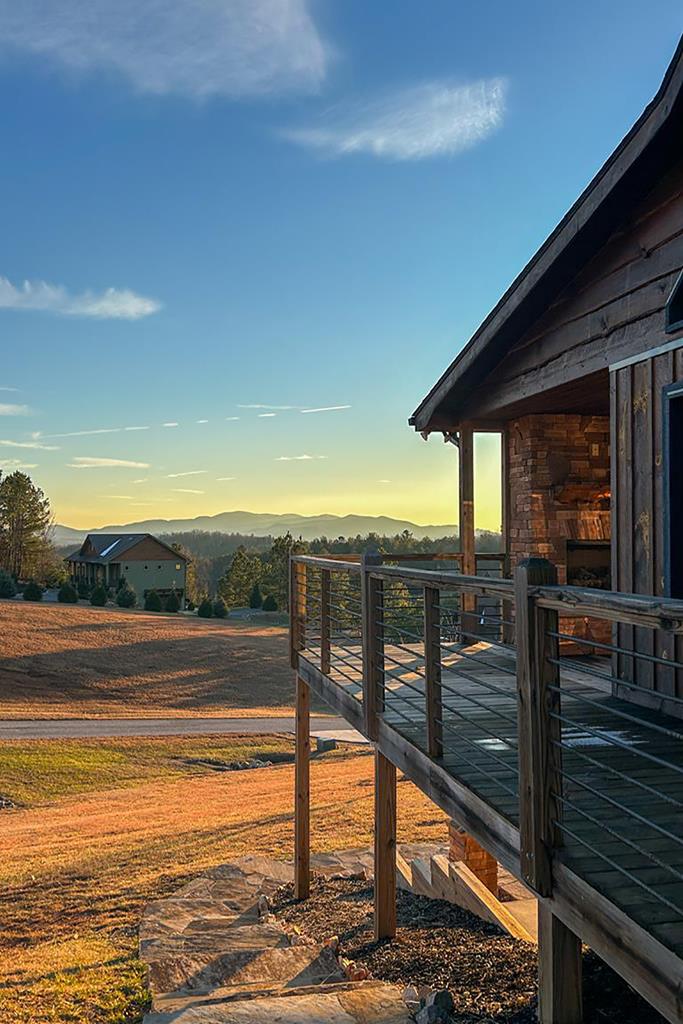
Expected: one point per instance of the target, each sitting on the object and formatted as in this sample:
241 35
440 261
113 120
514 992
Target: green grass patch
40 771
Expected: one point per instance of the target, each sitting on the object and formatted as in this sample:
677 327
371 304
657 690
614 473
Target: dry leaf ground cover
76 870
63 661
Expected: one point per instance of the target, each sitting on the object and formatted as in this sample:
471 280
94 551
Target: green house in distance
143 561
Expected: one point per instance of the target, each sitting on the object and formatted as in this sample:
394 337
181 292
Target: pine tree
255 598
236 586
24 523
152 601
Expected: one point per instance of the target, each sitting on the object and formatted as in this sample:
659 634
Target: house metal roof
110 547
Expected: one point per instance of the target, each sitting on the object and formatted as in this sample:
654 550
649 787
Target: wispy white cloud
278 408
8 389
439 118
188 472
140 480
224 479
85 433
111 304
384 481
186 490
229 419
8 409
169 424
121 497
30 444
96 462
16 464
327 408
136 428
267 415
299 458
202 421
217 47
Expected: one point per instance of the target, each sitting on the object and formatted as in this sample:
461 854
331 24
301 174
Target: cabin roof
110 547
634 166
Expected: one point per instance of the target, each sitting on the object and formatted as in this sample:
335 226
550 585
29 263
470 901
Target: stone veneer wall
559 473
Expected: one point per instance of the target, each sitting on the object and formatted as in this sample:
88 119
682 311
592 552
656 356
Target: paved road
68 728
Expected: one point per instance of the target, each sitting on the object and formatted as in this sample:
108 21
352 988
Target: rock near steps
212 958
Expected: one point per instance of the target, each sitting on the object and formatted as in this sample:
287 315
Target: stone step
213 935
373 1003
174 980
177 916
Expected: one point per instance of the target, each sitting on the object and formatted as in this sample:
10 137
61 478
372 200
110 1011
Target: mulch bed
492 977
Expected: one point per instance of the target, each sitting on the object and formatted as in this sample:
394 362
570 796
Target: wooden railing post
325 630
297 610
373 643
468 602
385 847
432 645
538 730
302 755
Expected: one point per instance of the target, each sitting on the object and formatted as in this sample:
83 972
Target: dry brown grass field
108 825
64 661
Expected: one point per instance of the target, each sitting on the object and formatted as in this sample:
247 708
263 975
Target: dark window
673 449
674 307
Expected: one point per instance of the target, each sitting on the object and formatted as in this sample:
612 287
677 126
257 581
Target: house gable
150 549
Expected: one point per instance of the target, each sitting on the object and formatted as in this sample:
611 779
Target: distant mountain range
263 524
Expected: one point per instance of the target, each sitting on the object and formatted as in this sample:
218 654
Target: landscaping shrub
98 598
83 588
172 602
220 608
255 598
205 610
270 604
152 601
33 592
67 594
190 605
126 596
7 585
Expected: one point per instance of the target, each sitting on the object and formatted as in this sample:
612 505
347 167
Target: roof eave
426 417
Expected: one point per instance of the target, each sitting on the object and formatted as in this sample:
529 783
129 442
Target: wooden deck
602 843
594 827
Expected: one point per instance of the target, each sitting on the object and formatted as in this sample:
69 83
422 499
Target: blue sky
300 205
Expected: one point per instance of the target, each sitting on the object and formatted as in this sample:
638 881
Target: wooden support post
468 602
538 729
302 755
373 643
432 639
325 631
559 971
385 847
297 610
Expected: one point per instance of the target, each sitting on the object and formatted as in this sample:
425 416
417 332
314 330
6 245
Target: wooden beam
466 499
538 729
385 847
432 647
325 631
302 854
373 644
297 609
559 971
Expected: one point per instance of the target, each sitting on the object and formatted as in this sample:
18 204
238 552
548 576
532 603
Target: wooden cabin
580 368
550 731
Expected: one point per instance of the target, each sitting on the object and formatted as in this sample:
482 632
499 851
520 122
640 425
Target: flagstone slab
239 974
375 1004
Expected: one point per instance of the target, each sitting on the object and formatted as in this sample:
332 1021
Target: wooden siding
638 512
151 550
613 309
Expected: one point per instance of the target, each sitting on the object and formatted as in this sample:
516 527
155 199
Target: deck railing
544 721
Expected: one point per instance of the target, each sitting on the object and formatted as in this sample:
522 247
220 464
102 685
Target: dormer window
674 307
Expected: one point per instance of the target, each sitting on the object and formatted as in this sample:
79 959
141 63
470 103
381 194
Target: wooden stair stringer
468 892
